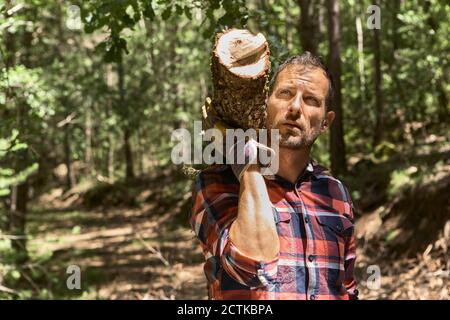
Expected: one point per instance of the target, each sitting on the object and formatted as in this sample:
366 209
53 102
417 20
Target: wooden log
240 68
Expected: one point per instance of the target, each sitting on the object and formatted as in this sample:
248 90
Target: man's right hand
244 154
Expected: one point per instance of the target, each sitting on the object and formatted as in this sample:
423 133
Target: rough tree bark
240 67
337 144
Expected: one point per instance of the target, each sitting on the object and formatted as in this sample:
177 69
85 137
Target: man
286 236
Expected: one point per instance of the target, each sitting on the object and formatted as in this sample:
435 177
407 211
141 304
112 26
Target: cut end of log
242 53
240 67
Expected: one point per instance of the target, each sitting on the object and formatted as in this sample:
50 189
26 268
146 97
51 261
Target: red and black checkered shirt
314 220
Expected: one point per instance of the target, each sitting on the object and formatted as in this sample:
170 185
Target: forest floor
147 251
123 253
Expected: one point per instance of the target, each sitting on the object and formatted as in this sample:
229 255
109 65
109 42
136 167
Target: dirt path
122 254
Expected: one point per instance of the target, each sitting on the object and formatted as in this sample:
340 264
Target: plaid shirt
314 221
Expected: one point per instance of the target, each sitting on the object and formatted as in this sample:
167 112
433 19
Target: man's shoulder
217 178
220 172
325 183
215 168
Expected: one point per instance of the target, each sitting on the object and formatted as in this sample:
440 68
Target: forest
91 91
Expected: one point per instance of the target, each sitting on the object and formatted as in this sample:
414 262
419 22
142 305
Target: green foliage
8 176
116 17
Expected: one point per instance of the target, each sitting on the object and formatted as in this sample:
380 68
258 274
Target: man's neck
292 163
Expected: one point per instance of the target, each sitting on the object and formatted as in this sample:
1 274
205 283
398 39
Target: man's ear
326 123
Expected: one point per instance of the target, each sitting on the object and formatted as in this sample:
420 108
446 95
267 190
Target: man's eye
285 92
311 101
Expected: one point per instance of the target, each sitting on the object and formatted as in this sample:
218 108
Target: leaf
148 10
178 9
6 172
215 4
122 44
244 20
208 32
188 13
392 234
127 20
76 230
112 55
15 274
226 20
166 14
19 146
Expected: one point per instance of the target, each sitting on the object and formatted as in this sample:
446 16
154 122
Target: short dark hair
306 59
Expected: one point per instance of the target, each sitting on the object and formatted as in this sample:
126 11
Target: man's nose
296 104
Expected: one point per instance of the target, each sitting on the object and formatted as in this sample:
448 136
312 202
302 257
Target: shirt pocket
336 230
282 216
340 225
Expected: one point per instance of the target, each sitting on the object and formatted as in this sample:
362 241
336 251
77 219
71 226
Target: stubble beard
293 139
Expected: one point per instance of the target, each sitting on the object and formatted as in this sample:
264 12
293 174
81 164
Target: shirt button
339 228
311 258
312 297
306 220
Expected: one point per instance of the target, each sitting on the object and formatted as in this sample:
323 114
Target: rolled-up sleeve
214 210
246 270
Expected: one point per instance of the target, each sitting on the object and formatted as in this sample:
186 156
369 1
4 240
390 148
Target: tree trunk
111 145
111 156
70 179
88 157
240 67
141 148
379 108
10 40
337 144
321 25
360 37
129 172
395 26
19 193
17 220
308 26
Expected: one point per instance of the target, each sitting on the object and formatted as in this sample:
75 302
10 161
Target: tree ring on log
240 67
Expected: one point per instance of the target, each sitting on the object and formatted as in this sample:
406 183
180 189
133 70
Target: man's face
296 106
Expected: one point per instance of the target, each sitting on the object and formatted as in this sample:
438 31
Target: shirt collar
312 169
